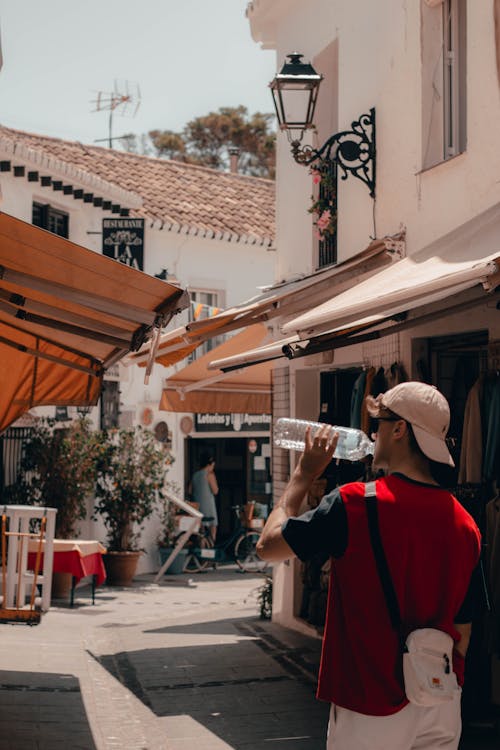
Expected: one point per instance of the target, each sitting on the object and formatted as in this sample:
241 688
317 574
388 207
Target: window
454 77
327 199
110 405
205 304
47 217
444 100
327 123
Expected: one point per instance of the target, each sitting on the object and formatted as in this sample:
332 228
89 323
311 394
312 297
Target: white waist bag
428 667
428 673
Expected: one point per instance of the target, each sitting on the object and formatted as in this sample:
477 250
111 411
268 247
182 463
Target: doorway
237 478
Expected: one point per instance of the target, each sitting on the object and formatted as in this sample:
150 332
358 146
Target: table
80 557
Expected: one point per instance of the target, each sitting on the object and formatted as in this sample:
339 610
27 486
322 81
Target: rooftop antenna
125 99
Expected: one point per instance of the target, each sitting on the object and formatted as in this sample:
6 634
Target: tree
209 138
207 141
168 144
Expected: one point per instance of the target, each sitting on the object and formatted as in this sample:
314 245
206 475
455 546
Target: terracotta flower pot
61 585
120 567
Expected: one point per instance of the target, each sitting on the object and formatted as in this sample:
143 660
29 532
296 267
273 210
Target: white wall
380 65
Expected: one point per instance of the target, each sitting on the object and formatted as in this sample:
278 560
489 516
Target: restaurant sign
232 422
123 240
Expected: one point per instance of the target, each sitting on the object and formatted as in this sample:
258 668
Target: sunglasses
376 420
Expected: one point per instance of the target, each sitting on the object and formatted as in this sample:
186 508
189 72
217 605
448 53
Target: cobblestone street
160 667
165 667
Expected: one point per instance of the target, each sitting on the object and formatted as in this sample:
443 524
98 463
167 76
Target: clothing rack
382 352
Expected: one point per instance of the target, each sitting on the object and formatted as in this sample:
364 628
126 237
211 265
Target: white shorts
412 728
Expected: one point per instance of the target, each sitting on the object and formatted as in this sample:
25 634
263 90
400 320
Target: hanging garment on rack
492 538
471 454
396 374
357 397
423 371
379 382
365 417
491 459
464 377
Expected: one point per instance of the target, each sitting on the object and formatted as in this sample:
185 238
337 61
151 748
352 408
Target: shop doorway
453 364
335 408
243 470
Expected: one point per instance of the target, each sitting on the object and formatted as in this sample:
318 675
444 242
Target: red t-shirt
432 546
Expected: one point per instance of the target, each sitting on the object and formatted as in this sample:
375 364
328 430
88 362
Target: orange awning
66 315
197 389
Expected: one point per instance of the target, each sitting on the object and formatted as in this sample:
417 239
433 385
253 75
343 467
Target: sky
188 57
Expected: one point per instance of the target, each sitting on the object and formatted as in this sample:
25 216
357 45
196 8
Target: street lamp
295 92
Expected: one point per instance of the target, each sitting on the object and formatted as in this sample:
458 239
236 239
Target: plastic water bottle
353 444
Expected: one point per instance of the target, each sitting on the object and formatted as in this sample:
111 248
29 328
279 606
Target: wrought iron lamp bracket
353 151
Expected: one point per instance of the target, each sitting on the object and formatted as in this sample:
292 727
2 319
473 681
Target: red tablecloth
79 557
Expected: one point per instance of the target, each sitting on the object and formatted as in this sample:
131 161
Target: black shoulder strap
380 558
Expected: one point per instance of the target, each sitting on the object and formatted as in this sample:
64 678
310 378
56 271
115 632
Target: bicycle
202 552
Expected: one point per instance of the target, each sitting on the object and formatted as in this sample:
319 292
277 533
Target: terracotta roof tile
177 195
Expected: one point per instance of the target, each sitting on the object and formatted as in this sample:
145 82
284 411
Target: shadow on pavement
214 627
42 711
228 681
246 682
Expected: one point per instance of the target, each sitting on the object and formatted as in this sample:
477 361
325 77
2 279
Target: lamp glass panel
296 105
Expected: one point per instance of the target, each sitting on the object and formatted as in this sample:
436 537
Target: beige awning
456 273
67 314
282 300
248 357
289 346
418 280
197 389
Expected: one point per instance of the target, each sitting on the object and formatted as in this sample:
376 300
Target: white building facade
429 70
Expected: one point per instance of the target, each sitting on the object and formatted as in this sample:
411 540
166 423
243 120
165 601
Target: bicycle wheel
194 562
245 553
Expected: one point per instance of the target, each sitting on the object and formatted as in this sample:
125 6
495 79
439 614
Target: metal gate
12 444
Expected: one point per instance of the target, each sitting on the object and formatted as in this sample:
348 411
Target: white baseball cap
425 408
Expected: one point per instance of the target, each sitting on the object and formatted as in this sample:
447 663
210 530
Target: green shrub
265 599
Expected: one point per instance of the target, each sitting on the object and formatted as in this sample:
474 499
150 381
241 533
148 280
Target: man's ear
400 429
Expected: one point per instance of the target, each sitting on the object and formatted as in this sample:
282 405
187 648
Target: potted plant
131 472
58 470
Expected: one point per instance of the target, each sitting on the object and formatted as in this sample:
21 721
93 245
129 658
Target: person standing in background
204 488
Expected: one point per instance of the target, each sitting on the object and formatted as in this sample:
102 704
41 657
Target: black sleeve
475 599
321 532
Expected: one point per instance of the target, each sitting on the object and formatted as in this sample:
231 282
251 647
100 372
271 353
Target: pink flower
316 175
324 220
